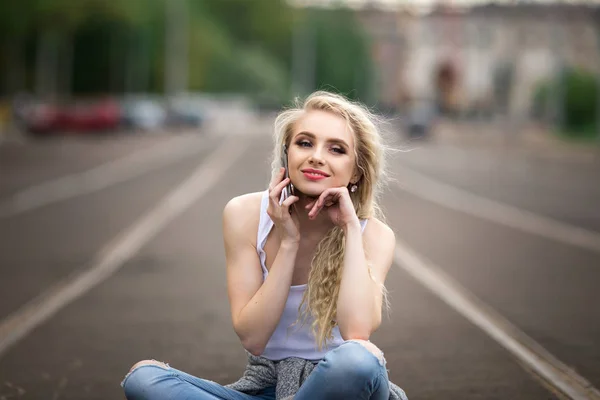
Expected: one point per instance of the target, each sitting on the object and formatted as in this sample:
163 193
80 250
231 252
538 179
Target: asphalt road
168 301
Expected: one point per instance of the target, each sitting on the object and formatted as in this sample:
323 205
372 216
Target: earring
354 187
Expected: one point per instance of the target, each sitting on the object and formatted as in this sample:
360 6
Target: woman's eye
338 150
303 143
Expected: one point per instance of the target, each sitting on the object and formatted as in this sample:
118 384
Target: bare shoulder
378 231
241 215
243 204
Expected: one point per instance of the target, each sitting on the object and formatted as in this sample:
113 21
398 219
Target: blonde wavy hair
320 298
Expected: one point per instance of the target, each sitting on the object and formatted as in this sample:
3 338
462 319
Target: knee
371 348
148 362
355 360
140 377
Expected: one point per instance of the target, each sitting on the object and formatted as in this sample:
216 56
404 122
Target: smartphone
288 190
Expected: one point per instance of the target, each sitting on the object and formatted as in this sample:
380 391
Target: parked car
184 112
145 113
41 118
93 116
78 117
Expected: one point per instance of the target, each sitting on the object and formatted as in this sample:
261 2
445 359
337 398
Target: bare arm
360 299
360 296
256 306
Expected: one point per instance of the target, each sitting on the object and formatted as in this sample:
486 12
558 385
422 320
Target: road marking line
123 246
521 346
461 200
100 177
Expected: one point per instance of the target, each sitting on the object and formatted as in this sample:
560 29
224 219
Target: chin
310 190
307 192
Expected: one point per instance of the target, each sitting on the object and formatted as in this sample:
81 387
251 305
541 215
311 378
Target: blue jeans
348 372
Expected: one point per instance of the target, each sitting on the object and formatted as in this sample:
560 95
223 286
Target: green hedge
580 94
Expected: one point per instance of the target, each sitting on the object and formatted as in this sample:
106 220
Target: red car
104 115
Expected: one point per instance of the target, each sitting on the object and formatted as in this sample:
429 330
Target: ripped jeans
350 371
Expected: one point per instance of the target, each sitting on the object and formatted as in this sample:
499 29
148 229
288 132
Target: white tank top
287 340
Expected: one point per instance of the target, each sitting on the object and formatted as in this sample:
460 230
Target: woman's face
321 153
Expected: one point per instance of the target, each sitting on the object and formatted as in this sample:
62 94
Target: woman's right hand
286 222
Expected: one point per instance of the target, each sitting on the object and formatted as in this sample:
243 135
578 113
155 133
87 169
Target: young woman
305 271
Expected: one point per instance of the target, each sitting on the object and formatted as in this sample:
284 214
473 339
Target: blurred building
480 59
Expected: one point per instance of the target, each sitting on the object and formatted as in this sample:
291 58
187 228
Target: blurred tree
263 23
95 46
343 61
579 101
16 21
241 46
54 23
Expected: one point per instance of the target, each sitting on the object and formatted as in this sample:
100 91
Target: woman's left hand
337 204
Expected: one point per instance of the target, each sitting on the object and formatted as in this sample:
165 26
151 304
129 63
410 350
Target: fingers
275 193
277 178
328 198
287 203
320 202
315 211
275 189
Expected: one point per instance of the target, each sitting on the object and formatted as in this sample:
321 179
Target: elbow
255 351
252 342
357 330
253 347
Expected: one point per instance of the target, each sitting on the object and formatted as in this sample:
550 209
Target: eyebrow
331 140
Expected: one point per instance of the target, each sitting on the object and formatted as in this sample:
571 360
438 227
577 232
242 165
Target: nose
316 158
